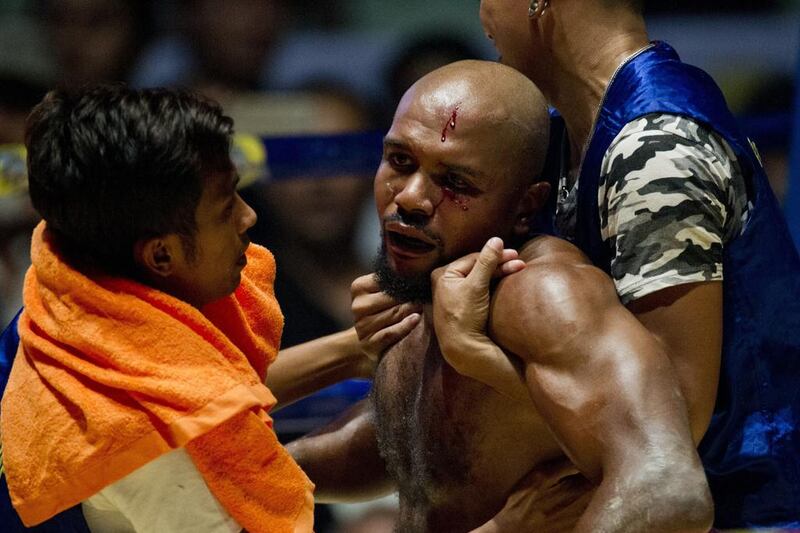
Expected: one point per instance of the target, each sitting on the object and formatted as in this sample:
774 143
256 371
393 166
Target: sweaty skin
452 444
457 448
594 392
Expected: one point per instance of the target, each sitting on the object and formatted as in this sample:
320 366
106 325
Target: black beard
415 289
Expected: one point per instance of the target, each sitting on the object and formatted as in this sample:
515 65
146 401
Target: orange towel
111 374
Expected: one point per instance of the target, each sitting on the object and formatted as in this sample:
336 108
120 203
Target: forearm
306 368
488 363
342 459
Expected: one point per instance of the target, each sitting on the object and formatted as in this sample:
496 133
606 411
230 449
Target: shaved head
461 163
495 97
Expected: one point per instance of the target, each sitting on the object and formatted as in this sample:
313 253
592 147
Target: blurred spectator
767 118
310 224
26 72
418 58
232 40
220 46
96 40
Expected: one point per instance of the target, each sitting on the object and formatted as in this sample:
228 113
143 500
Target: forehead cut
493 91
487 95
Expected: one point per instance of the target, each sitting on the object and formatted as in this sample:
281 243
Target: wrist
466 342
468 353
359 365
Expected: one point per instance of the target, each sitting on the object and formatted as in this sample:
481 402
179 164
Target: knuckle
488 260
361 331
398 311
357 309
383 337
355 289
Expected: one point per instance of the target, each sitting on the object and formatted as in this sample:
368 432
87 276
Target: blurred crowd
247 55
279 68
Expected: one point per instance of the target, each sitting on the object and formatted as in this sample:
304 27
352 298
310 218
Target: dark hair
108 166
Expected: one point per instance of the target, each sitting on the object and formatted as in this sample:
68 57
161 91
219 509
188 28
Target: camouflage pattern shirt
671 195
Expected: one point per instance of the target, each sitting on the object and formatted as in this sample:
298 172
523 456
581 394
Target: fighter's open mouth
410 244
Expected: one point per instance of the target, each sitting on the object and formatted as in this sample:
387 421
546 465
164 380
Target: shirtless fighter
595 394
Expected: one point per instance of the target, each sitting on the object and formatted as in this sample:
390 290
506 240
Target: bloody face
444 185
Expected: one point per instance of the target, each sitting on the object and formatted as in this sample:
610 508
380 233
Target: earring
537 8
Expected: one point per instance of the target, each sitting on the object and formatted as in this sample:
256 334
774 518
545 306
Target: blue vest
751 451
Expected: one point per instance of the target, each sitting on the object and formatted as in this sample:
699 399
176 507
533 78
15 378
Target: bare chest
449 440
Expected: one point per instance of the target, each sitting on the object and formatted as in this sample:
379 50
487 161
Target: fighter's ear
531 202
155 255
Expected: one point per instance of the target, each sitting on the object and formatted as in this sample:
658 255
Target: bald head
459 165
489 96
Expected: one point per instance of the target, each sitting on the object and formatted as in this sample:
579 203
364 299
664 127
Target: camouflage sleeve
671 194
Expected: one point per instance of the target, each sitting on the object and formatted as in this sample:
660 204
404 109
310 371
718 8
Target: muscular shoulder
557 295
555 267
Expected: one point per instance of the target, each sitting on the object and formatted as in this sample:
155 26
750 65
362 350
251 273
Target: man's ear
531 203
155 256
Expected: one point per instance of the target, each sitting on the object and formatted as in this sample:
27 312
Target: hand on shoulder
461 299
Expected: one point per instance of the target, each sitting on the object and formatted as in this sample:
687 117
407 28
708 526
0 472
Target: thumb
488 259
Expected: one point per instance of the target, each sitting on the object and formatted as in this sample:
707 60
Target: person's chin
406 279
411 265
241 262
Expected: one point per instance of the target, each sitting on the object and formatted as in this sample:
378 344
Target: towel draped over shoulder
111 374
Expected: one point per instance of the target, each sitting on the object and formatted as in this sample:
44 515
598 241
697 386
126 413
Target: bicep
613 401
598 377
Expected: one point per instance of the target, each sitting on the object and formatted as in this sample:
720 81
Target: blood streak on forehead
451 123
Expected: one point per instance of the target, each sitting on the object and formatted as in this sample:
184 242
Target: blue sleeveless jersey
751 451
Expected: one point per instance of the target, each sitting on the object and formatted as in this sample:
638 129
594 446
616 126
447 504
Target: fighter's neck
427 315
580 76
